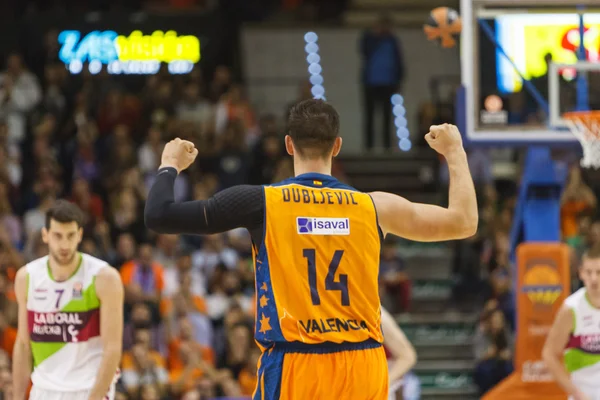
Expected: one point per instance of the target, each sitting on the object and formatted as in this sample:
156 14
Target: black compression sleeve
239 206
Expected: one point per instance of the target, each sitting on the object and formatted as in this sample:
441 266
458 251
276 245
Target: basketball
443 25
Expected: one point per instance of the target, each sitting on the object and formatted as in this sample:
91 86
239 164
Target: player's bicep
415 221
560 332
109 290
21 286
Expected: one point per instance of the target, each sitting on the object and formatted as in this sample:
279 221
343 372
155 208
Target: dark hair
183 252
64 212
313 126
593 253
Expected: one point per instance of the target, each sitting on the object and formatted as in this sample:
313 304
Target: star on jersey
264 324
264 286
264 300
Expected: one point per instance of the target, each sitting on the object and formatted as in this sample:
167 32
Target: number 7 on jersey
59 293
330 282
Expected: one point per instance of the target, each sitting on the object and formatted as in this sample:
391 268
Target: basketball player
572 349
403 353
70 318
316 245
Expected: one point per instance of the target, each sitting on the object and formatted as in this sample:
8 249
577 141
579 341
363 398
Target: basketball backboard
503 41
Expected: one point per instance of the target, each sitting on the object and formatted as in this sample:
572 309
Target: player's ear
289 145
80 234
337 146
45 235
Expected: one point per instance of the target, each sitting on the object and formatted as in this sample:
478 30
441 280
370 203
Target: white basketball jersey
582 355
64 325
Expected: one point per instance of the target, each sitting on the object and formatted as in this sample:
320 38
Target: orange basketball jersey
317 269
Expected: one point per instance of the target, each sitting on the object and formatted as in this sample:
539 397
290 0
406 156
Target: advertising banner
120 43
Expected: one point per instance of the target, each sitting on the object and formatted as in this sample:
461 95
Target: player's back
64 325
317 284
317 273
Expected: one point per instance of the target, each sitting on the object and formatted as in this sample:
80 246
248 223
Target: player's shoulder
22 275
92 264
108 274
95 264
575 299
37 265
108 281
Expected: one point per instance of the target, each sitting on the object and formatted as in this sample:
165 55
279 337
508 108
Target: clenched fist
179 154
444 139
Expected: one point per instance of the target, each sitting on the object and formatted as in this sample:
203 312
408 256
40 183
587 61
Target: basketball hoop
585 125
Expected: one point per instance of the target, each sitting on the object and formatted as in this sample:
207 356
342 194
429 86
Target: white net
586 128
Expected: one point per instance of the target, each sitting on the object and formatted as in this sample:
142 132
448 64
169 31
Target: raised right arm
430 223
22 357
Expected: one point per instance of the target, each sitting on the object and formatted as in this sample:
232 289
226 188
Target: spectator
125 250
150 151
576 198
578 246
20 92
141 318
233 161
54 97
188 360
165 252
85 163
492 351
9 222
150 391
248 375
396 284
383 74
194 108
212 253
304 93
233 106
186 304
225 292
142 366
90 203
467 269
499 292
144 280
10 158
268 152
237 351
221 83
126 215
117 108
174 276
593 236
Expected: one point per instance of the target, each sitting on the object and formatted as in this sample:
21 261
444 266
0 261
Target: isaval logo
322 226
541 283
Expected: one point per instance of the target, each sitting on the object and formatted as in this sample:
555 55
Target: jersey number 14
330 282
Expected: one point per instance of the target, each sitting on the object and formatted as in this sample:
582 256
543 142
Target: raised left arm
109 290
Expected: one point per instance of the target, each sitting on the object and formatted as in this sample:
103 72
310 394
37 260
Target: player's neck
62 272
312 166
